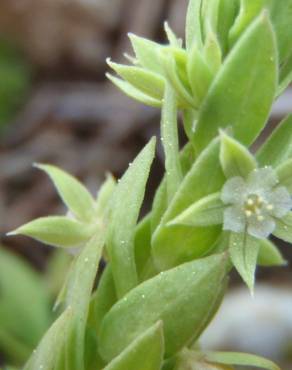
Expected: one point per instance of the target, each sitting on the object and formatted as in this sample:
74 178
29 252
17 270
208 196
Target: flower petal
234 219
262 180
234 191
281 200
261 229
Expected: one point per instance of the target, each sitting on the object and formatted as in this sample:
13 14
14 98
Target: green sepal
284 228
171 36
284 172
180 243
269 254
144 353
147 82
162 298
133 92
235 159
127 201
104 196
75 196
213 53
244 250
278 147
242 359
243 90
58 231
206 212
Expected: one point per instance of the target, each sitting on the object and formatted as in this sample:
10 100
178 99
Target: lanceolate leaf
76 197
269 254
227 12
127 201
162 298
147 82
243 359
146 53
284 228
169 133
78 298
285 75
206 212
144 353
133 92
244 251
278 146
242 92
180 243
48 351
235 158
193 24
57 231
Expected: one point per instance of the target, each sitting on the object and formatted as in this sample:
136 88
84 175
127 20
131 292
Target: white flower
254 204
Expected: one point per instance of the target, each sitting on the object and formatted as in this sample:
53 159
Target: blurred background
56 106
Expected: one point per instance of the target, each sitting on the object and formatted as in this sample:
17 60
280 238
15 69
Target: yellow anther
250 202
260 218
270 207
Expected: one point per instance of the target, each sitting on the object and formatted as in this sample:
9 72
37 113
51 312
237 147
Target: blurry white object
261 324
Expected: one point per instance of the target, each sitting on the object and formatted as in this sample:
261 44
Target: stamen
260 218
250 202
270 207
248 213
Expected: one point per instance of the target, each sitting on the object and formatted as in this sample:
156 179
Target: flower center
255 205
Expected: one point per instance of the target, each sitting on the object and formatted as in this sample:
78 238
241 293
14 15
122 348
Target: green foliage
215 208
15 81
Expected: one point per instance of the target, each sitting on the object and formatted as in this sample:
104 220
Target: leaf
206 212
81 282
76 197
243 359
281 15
143 244
226 15
178 244
133 92
278 147
193 24
127 201
213 53
244 251
284 228
103 299
235 158
58 231
147 82
269 254
22 324
146 52
162 298
249 10
169 137
199 73
243 90
49 349
171 70
171 36
104 196
285 75
148 347
284 172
